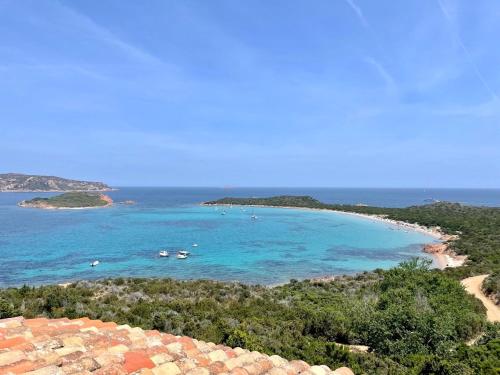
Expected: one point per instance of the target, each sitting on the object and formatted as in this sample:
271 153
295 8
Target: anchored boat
182 254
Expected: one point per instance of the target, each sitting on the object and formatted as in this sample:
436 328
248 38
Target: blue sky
252 93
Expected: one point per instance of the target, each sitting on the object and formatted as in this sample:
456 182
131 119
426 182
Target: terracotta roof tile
82 346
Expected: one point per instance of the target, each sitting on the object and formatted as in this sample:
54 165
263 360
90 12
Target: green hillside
414 319
67 200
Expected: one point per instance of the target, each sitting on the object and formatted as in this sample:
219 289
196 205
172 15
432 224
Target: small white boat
163 253
94 263
254 217
223 212
195 245
182 255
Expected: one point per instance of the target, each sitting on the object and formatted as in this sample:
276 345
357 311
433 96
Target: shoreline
442 258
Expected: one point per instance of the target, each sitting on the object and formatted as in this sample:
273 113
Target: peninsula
73 200
17 182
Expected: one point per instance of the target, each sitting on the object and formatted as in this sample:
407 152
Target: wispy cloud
359 13
491 108
54 69
382 71
104 35
456 35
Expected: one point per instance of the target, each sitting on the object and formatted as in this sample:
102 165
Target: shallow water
49 246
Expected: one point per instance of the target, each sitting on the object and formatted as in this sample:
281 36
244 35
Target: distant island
73 200
17 182
278 201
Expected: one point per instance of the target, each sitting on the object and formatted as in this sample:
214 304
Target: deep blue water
45 246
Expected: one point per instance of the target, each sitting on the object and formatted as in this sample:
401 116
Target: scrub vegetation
414 319
68 200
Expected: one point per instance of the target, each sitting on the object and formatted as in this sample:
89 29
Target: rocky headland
18 182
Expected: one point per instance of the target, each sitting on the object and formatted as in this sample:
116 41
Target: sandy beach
443 257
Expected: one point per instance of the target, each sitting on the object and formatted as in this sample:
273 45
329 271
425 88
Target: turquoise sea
45 246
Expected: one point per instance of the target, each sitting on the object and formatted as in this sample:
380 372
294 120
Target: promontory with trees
411 319
69 200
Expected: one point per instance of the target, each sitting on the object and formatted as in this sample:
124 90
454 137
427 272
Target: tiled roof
83 346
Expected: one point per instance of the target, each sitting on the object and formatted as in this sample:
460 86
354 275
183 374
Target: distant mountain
22 182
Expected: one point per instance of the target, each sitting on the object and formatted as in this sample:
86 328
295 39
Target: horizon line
304 187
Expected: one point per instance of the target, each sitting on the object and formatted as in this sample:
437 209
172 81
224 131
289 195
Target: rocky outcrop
83 346
24 183
436 248
444 256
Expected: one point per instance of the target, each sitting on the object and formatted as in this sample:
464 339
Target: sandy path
473 286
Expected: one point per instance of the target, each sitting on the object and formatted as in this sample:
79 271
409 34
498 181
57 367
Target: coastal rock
438 248
343 371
